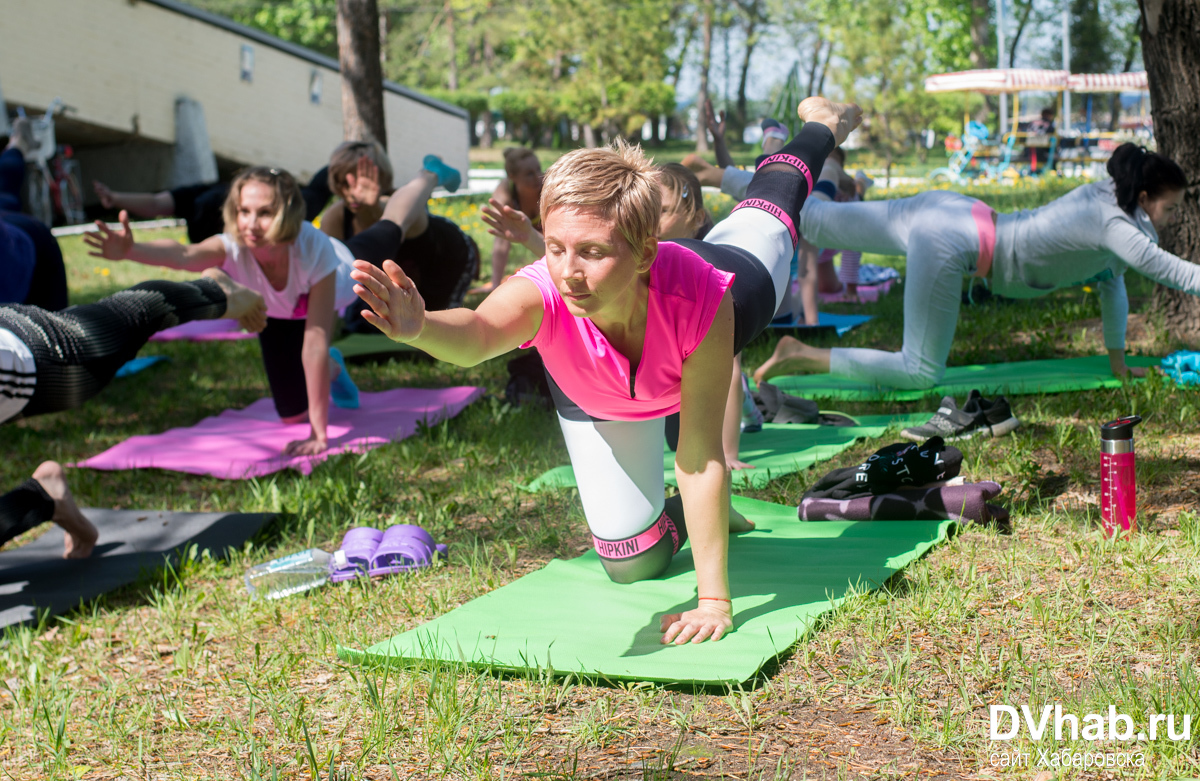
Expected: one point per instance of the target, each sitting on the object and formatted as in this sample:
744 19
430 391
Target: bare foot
840 118
739 523
79 534
792 356
241 303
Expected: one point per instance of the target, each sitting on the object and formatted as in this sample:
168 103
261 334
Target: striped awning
1107 82
997 80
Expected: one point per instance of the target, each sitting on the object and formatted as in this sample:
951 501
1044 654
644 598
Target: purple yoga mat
240 444
203 331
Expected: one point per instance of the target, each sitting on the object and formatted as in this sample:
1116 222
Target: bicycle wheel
71 193
37 195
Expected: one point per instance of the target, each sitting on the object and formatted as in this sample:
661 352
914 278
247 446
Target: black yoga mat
36 578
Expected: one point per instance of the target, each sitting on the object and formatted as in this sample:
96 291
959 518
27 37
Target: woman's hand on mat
840 118
507 223
306 447
110 244
733 462
397 309
710 621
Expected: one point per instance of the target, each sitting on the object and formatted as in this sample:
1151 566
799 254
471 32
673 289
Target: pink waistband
623 549
794 162
986 225
774 211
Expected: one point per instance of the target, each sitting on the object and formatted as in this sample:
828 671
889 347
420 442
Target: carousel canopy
1107 82
998 80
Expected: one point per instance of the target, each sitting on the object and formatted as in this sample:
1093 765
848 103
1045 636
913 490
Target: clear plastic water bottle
289 575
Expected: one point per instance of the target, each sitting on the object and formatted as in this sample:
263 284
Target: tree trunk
702 94
751 28
452 47
1170 29
1026 12
489 129
981 34
589 135
362 72
812 70
824 70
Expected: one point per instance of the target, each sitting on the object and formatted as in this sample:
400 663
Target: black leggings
23 508
78 350
441 262
48 288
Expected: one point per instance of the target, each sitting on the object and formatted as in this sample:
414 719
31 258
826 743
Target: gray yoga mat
36 578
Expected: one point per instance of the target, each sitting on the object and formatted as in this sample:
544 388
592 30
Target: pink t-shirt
685 292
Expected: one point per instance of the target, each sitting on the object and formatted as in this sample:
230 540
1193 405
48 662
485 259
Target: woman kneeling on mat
633 330
302 273
1091 235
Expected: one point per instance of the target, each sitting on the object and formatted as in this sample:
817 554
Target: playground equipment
985 156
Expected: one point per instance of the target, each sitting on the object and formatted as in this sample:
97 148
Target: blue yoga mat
140 364
840 323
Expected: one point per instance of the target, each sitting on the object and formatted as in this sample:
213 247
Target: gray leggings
939 235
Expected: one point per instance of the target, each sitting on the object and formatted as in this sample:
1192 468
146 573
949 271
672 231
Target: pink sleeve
538 274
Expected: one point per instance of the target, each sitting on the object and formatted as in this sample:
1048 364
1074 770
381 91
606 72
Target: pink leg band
794 162
986 225
624 549
774 211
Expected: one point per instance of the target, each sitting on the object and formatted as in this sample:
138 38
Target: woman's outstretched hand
363 187
840 118
507 223
110 244
396 308
710 621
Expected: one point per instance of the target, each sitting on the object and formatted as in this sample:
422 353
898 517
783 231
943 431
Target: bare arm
119 245
717 128
160 204
506 319
331 220
514 226
704 481
314 355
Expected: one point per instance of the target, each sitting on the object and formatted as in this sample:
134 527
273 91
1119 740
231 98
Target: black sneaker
976 416
997 413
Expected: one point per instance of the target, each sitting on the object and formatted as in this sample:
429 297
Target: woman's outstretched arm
506 319
119 245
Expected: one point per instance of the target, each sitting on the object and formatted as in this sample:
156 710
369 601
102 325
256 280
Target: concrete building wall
121 65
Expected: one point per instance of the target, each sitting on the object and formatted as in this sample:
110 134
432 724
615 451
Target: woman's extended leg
78 350
942 239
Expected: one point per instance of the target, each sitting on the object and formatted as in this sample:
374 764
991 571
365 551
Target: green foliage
471 101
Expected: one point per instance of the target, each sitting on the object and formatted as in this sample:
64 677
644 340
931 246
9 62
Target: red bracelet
717 599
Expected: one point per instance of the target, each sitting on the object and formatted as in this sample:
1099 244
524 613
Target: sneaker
976 416
997 413
773 128
342 389
448 178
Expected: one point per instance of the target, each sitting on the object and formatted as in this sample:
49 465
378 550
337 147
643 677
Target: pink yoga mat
203 331
240 444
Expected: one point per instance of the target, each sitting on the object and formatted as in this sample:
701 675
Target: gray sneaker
977 416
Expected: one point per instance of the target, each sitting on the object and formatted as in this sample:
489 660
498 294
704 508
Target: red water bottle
1118 482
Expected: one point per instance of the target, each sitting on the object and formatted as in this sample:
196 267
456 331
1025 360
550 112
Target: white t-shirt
18 375
311 257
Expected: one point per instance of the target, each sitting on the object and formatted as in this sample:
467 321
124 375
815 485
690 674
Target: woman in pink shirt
632 330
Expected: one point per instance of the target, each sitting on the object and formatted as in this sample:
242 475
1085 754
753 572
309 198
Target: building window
247 60
314 87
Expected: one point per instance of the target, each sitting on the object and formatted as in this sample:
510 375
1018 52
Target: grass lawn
182 677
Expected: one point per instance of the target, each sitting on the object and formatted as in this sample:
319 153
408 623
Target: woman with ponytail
1091 235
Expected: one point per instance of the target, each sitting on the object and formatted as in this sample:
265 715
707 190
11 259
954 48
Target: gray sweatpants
937 232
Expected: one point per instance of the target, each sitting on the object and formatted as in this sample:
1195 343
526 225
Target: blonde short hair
617 181
344 160
680 181
287 200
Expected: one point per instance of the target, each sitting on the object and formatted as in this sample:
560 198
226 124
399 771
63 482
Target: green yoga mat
1017 378
569 617
775 451
363 348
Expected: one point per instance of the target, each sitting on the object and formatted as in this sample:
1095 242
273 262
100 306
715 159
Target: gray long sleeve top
1084 238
